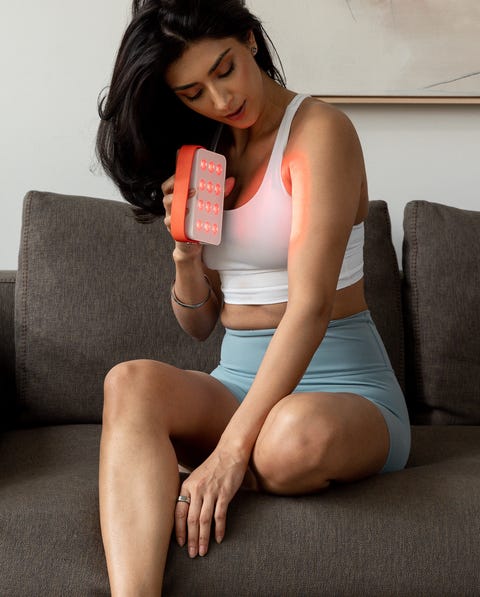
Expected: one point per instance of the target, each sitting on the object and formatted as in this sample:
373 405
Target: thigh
193 407
310 439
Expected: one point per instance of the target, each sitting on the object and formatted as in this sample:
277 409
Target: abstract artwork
378 49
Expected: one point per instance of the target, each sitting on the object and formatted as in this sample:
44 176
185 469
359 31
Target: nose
221 99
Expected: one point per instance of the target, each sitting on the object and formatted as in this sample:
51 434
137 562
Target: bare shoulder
323 139
323 124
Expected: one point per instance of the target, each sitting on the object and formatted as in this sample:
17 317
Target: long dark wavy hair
143 122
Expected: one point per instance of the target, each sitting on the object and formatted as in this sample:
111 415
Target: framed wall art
405 51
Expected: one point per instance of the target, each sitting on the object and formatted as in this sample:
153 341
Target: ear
251 39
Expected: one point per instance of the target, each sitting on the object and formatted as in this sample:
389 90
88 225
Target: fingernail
181 541
192 552
202 550
219 539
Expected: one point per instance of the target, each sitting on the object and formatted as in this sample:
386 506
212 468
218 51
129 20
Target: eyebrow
211 70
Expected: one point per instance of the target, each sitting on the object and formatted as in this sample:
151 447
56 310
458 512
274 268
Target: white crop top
252 257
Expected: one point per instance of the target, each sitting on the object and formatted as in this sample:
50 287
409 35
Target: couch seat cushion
414 532
50 541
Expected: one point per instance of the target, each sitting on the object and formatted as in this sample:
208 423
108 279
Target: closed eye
229 71
194 97
222 76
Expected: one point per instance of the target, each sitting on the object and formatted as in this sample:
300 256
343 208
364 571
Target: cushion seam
416 304
24 306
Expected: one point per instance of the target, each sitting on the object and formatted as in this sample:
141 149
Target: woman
304 394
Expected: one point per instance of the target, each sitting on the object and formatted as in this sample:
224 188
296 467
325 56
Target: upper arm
326 171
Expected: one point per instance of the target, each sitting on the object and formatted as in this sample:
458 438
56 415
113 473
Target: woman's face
219 79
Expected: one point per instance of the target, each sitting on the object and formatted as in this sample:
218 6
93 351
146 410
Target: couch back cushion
383 285
93 290
441 263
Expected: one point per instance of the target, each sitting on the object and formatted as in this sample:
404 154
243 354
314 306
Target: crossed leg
157 416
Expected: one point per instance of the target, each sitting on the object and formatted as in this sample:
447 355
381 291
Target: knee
292 454
125 389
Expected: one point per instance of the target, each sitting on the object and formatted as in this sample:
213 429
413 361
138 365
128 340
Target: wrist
239 448
184 253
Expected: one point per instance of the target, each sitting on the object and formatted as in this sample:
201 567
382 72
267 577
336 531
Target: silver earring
254 50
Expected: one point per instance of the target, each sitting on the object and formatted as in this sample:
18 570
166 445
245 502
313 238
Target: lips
237 112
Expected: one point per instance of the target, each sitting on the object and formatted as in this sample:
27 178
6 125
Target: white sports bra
252 257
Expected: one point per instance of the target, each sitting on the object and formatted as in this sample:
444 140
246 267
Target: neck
274 100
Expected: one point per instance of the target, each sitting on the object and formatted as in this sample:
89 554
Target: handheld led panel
198 218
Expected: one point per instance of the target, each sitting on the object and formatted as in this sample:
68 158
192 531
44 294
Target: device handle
180 192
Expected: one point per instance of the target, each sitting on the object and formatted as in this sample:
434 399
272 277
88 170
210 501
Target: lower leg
147 405
138 485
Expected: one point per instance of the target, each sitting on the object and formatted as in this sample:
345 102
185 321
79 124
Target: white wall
57 55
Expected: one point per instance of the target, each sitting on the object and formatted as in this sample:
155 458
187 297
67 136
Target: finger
167 221
229 184
168 200
193 521
167 185
220 519
167 203
181 512
205 525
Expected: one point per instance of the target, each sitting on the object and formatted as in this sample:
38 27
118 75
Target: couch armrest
7 347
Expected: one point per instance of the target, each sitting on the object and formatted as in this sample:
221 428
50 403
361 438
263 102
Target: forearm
284 363
192 288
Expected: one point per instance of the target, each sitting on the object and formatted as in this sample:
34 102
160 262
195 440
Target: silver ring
183 498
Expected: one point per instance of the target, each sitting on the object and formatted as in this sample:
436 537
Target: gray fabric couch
92 290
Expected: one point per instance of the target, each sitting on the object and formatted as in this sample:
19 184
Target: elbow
201 337
316 313
198 330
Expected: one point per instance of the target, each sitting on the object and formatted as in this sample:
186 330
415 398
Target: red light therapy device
198 218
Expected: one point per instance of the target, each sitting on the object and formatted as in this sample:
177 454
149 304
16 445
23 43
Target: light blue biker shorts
351 358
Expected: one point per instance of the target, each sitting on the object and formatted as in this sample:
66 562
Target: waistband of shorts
361 316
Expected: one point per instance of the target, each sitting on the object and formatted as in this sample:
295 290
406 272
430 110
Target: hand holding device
198 218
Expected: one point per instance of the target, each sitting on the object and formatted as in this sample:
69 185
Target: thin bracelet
195 305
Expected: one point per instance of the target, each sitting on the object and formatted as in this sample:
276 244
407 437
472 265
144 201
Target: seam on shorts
380 345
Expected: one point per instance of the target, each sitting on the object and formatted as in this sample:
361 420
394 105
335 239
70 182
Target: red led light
210 187
206 226
200 204
199 225
216 209
219 169
218 189
202 184
203 164
211 167
208 207
215 228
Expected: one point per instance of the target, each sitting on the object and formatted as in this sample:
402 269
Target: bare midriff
348 301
